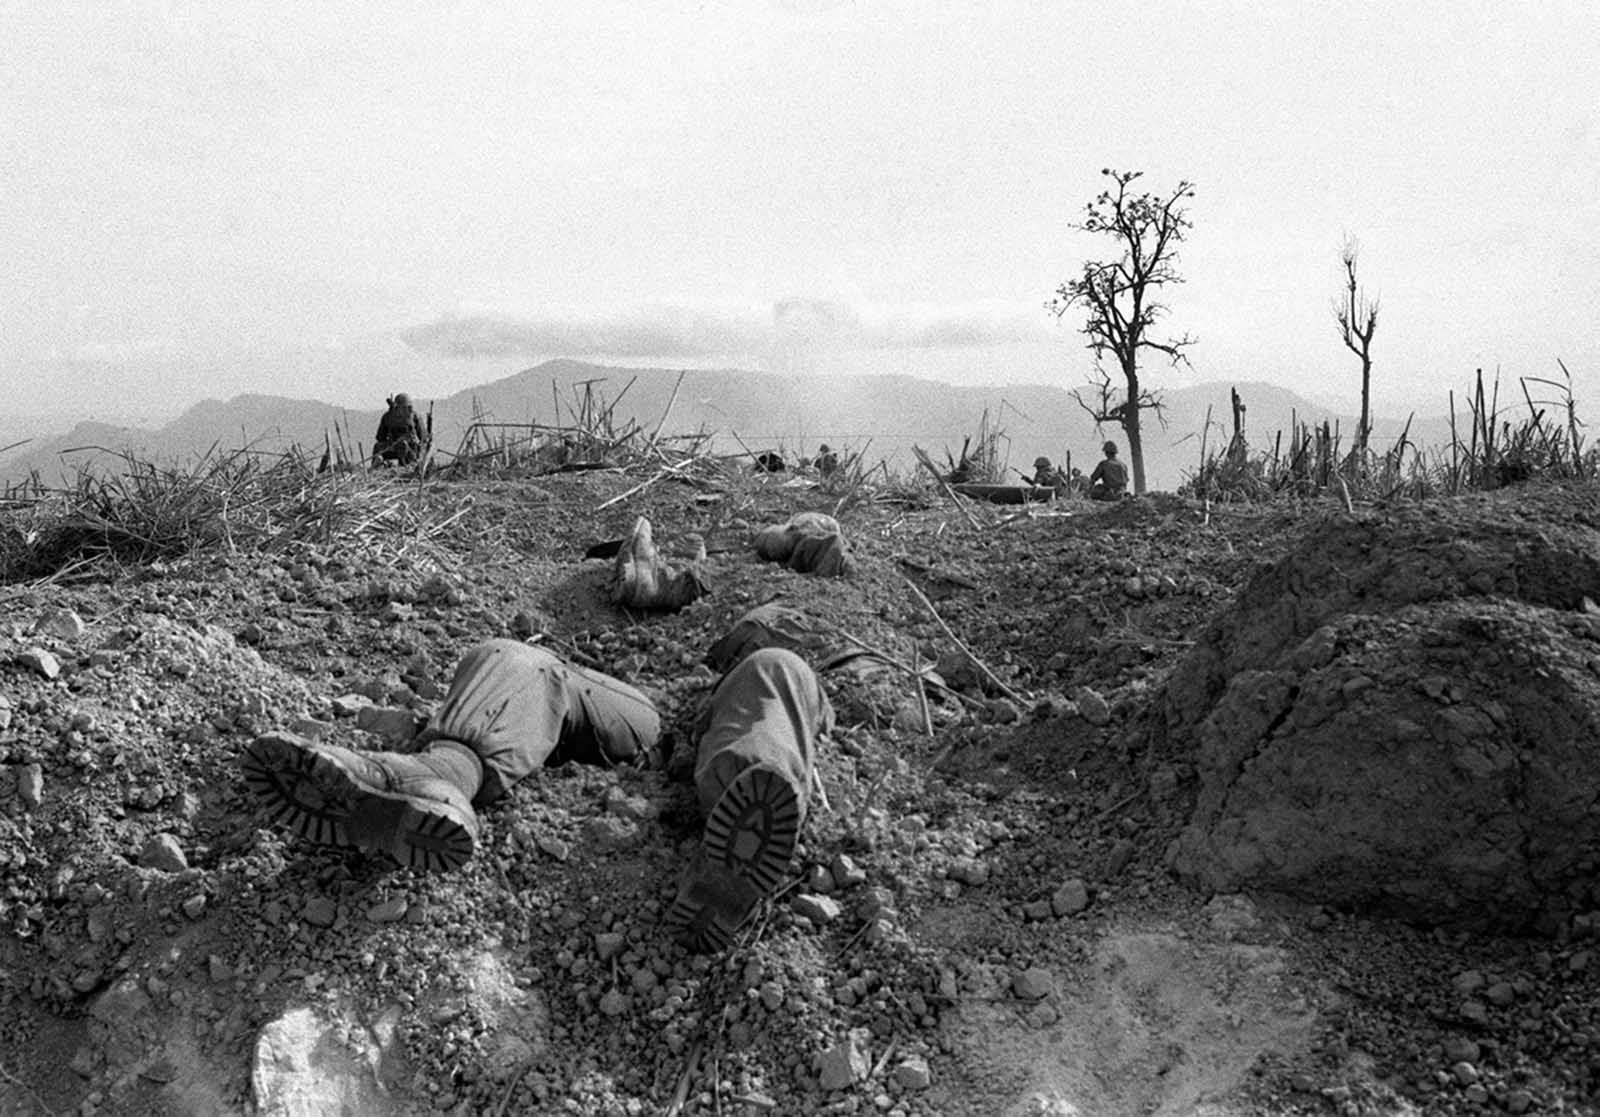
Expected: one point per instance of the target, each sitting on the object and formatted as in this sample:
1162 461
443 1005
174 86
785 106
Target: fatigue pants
768 710
515 705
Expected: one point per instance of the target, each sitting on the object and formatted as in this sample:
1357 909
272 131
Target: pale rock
1033 984
305 1064
553 847
912 1073
319 911
1092 708
821 910
608 944
40 662
969 870
610 834
846 873
349 705
30 785
1071 898
163 853
633 807
845 1063
63 624
388 911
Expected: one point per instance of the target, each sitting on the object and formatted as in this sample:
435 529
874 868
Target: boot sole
749 843
319 800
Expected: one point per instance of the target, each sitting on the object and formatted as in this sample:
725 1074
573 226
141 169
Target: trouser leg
514 705
753 775
769 711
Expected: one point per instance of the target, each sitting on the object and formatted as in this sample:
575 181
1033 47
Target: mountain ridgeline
881 416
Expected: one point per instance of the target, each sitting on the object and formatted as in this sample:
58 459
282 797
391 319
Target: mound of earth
1402 715
980 919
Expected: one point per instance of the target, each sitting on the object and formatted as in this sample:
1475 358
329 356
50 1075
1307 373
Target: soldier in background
1109 481
1047 475
401 436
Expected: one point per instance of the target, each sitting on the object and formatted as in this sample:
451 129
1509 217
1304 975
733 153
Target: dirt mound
1400 715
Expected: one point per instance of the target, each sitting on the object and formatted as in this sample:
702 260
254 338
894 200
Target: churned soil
1024 893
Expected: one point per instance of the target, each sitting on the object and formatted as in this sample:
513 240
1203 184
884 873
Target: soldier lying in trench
511 708
808 542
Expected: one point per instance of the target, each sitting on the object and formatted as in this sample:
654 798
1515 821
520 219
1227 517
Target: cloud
685 330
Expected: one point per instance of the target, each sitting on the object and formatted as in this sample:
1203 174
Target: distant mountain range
884 416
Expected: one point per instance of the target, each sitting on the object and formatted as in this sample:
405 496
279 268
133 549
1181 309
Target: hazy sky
804 185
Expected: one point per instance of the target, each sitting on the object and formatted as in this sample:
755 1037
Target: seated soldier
1109 481
513 708
808 542
827 462
1047 476
401 436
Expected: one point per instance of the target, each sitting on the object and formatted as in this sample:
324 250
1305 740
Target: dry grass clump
244 499
1490 447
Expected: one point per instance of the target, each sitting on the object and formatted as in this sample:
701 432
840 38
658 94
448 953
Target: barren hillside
985 919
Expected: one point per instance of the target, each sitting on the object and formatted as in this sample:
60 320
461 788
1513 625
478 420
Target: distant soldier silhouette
827 461
1109 481
400 436
1048 476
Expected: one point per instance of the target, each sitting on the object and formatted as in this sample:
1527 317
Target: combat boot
745 853
416 807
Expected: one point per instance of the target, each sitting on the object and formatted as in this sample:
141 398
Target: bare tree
1120 298
1357 316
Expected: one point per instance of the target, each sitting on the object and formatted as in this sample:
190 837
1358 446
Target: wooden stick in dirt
898 666
960 643
636 489
922 456
672 399
681 1094
922 692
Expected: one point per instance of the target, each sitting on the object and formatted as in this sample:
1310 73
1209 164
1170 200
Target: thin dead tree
1357 316
1120 297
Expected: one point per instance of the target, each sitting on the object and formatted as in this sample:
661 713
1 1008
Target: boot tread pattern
316 798
754 827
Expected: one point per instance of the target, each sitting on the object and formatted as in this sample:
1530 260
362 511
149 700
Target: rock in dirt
1071 898
1033 984
63 624
1399 715
305 1064
40 662
1092 707
30 785
163 853
821 910
845 1063
912 1073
